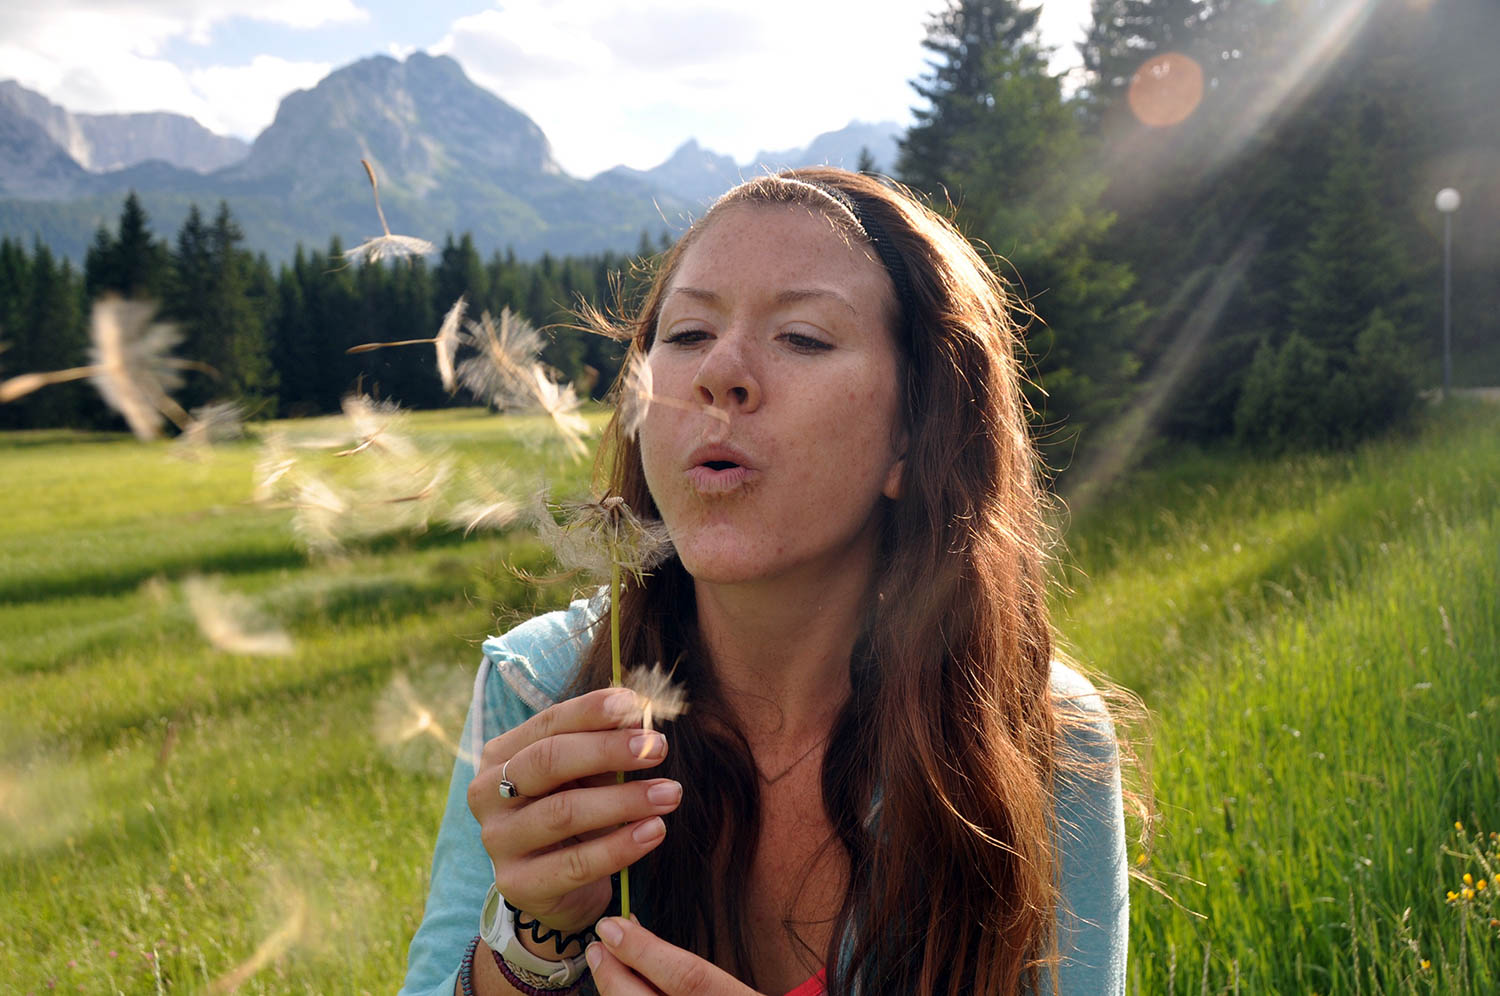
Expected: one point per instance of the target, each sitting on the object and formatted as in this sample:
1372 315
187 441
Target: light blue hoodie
529 668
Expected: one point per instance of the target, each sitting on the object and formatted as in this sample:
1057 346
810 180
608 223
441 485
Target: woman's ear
893 476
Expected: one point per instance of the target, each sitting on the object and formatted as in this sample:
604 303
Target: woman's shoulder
538 658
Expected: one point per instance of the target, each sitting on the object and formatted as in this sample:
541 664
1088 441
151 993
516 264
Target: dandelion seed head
595 536
231 622
131 356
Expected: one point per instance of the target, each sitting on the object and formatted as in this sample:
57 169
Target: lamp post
1448 202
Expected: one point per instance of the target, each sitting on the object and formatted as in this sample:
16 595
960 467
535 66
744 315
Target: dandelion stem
617 681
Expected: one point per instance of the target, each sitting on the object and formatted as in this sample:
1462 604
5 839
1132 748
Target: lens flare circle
1166 90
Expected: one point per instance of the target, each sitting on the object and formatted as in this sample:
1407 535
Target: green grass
1318 641
1316 638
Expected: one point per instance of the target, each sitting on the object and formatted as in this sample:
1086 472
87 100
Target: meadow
1315 638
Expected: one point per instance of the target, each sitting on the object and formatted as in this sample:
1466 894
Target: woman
884 784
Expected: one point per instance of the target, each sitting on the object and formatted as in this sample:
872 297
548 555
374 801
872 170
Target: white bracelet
497 928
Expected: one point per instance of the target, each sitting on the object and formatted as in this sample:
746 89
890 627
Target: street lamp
1447 202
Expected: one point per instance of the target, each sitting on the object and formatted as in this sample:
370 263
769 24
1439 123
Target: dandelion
387 245
446 341
603 538
231 623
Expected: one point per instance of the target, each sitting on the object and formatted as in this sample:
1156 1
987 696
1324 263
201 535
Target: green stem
614 662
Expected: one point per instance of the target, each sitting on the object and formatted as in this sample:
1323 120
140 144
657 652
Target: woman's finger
579 812
612 977
564 758
601 709
666 967
572 866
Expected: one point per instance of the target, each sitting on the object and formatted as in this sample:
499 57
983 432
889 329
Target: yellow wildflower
1479 886
1468 893
1468 879
1426 964
1452 895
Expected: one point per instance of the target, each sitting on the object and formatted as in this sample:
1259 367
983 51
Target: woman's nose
726 378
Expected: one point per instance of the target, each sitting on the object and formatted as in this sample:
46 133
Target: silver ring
508 788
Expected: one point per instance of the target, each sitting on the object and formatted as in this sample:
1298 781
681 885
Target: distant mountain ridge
450 156
103 142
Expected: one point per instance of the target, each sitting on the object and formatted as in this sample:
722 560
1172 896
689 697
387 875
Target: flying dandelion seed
272 467
413 724
597 537
657 697
374 425
560 402
446 341
501 373
211 424
637 397
281 940
319 507
230 621
132 368
41 804
506 373
386 246
482 505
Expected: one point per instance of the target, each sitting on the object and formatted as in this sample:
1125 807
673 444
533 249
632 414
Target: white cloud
106 55
630 81
244 98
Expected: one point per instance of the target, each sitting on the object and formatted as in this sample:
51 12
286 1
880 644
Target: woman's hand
555 846
632 961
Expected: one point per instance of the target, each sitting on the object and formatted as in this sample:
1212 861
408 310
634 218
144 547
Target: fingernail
664 794
609 930
594 953
651 830
622 705
648 745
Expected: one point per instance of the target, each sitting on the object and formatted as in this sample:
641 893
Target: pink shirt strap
812 987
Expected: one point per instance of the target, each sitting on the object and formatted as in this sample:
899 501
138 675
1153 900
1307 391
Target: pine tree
957 91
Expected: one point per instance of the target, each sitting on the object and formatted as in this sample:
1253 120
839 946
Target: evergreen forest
1222 229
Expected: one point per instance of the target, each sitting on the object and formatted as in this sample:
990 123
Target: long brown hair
938 776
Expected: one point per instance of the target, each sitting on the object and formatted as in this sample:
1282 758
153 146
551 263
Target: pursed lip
717 453
718 469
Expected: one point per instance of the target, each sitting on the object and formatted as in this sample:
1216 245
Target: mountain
31 163
841 148
450 157
102 142
699 175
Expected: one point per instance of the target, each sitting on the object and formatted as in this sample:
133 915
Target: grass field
1316 638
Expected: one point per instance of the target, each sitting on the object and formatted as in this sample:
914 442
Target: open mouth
720 464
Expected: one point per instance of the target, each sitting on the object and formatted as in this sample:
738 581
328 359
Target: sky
609 81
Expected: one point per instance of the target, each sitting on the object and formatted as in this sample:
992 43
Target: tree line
277 339
1222 229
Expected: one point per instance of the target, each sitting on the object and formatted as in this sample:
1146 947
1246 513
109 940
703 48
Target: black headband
873 230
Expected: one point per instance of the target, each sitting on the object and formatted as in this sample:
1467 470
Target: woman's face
775 321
